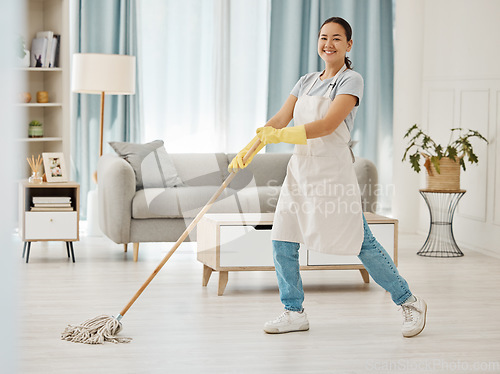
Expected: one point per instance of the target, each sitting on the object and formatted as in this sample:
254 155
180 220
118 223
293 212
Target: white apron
320 203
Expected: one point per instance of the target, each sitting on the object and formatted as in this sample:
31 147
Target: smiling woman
323 105
204 72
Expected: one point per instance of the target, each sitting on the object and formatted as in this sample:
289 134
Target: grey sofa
127 215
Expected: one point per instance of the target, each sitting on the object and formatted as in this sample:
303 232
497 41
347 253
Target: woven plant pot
448 179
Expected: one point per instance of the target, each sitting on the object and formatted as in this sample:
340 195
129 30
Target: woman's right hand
237 162
279 121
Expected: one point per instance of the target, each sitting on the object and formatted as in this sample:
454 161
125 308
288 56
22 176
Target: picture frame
55 167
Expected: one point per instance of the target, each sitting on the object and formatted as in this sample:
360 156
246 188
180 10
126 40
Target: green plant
458 147
35 129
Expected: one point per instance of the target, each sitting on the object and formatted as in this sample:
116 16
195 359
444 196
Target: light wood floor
178 326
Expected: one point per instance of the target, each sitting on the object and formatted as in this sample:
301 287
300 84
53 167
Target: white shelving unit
45 15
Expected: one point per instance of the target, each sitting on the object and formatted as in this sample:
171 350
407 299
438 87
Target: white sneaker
288 321
414 315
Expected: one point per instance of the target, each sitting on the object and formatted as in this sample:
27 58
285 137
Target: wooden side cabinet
55 218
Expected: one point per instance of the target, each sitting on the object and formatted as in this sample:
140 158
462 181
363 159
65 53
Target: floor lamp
104 74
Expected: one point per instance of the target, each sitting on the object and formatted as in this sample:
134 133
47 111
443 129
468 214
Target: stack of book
45 50
52 204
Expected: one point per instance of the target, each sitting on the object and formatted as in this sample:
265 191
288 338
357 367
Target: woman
320 203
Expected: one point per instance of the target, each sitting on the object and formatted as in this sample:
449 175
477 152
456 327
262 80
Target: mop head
95 331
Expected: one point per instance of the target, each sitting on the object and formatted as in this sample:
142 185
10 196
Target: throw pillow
152 165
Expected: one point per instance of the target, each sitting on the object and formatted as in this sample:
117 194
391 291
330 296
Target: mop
105 328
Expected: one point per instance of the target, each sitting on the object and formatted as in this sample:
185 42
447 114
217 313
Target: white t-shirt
348 83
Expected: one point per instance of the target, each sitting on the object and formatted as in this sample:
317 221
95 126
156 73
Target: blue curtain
103 27
293 53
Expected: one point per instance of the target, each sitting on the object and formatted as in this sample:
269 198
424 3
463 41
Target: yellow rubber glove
292 135
237 162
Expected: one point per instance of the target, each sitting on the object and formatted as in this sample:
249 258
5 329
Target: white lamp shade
97 72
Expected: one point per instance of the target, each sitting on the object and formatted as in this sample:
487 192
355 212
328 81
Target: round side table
440 241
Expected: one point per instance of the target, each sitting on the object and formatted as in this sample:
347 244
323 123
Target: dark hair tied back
348 33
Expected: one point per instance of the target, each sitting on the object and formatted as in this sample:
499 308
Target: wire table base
440 241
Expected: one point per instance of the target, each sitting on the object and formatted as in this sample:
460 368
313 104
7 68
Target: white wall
408 50
451 46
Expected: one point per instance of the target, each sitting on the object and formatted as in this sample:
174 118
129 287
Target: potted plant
35 129
441 162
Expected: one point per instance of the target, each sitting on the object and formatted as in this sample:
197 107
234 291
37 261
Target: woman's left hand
292 135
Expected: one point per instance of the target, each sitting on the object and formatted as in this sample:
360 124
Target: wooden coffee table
242 242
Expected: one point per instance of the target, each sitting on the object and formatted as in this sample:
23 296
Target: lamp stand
92 199
101 124
101 134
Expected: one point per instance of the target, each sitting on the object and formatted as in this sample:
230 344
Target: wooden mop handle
252 150
186 232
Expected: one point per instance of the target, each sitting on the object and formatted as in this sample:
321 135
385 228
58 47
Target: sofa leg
125 247
136 251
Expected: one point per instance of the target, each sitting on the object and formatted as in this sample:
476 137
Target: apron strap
327 94
306 92
331 86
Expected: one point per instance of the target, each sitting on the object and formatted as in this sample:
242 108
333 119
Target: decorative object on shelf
45 50
35 129
42 97
25 97
36 170
38 52
36 178
23 54
55 167
49 35
97 73
442 162
56 46
52 204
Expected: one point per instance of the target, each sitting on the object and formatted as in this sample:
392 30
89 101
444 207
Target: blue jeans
374 258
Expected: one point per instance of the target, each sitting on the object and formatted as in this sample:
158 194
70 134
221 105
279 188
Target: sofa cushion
180 202
152 165
201 169
186 202
261 199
